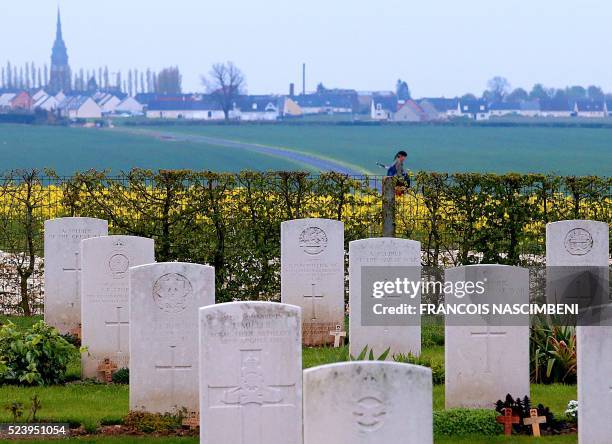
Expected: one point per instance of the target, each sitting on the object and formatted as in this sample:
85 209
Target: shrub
34 356
367 354
571 412
521 407
437 368
122 376
154 422
432 335
553 353
461 422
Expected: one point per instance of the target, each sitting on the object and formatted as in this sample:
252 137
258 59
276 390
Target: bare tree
225 83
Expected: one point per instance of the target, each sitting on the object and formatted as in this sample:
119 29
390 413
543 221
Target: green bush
34 356
553 353
437 368
122 376
461 422
154 422
432 335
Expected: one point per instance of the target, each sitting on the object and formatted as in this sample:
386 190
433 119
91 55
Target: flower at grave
571 410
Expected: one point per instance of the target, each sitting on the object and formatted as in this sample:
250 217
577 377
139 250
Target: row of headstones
481 364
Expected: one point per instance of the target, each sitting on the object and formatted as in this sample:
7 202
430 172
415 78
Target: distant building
383 106
410 111
474 109
130 105
608 108
328 102
60 76
555 108
591 109
290 108
108 102
499 109
262 108
21 102
205 109
530 108
446 108
80 107
5 101
46 103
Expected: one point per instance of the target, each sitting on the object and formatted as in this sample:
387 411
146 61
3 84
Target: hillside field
566 150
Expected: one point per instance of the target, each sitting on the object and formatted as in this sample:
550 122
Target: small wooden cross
534 421
507 419
338 335
192 420
108 367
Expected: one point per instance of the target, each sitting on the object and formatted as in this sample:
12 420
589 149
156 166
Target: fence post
388 207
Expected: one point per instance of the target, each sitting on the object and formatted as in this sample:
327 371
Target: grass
565 150
91 404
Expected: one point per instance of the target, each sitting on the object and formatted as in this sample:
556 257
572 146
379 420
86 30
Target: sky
440 47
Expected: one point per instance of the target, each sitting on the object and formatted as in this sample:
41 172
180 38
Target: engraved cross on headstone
251 396
313 296
487 335
119 324
76 269
173 367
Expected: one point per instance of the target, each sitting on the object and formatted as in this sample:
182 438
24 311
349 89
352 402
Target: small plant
16 409
34 356
34 408
121 376
155 422
571 411
437 368
367 354
553 353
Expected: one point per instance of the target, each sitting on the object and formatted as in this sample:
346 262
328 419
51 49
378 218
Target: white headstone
63 268
483 363
105 298
164 303
387 253
312 275
586 243
368 402
250 374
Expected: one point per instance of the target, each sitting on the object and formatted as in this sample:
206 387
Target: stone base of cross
107 368
338 335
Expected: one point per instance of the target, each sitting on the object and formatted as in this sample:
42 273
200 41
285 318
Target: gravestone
312 275
63 268
586 243
368 402
250 373
486 357
386 253
164 303
105 298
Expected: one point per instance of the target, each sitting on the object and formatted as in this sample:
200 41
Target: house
38 95
204 109
22 102
108 102
253 108
555 108
530 108
590 109
430 111
80 107
328 102
60 97
474 109
130 105
5 101
47 103
608 108
290 109
446 108
383 106
409 111
499 109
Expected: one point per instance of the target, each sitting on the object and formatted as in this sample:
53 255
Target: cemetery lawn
92 404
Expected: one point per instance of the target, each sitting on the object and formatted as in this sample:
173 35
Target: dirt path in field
317 163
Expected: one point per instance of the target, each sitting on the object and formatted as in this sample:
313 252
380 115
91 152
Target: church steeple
60 70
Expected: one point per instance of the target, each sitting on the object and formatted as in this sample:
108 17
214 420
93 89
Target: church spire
58 32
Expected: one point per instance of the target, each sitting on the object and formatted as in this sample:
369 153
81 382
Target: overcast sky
440 47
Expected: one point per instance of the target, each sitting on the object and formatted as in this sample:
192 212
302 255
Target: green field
561 150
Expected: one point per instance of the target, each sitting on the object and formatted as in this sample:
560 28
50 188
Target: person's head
401 155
